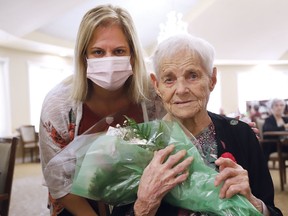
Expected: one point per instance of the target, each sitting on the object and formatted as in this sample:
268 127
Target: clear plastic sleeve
109 169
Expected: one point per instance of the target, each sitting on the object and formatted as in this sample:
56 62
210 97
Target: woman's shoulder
225 120
224 125
59 100
270 119
59 94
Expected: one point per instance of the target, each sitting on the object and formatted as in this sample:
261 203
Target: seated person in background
255 114
184 78
275 122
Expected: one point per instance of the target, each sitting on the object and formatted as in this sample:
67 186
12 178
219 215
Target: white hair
171 47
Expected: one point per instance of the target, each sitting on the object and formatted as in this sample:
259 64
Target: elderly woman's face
278 108
184 85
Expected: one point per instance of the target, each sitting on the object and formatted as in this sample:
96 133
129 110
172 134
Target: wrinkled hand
235 181
162 174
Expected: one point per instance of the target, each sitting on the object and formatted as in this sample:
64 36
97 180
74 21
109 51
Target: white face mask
109 72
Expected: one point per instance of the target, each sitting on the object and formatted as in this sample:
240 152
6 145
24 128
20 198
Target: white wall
229 83
19 82
229 91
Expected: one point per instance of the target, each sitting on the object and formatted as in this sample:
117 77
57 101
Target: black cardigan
239 139
270 124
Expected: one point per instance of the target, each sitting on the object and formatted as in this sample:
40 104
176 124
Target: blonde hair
107 15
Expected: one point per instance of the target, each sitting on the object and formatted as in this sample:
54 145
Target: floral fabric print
58 137
207 141
208 149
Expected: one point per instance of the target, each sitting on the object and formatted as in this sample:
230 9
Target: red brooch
228 155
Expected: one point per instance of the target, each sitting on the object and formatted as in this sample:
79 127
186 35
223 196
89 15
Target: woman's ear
154 82
213 79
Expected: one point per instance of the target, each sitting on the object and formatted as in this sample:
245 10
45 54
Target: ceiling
238 29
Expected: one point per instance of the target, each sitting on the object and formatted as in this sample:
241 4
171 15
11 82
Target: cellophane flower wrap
110 169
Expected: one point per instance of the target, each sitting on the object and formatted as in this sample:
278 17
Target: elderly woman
184 78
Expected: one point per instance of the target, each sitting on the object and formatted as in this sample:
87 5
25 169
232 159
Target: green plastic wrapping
110 168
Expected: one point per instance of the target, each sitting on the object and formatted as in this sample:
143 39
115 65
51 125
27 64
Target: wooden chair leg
23 156
282 174
32 155
282 167
281 181
4 208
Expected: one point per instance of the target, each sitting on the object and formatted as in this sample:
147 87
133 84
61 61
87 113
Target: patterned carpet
281 197
29 197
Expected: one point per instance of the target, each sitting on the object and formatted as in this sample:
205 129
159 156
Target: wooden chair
7 162
29 142
274 156
278 157
282 158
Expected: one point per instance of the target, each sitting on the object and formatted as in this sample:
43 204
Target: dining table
282 140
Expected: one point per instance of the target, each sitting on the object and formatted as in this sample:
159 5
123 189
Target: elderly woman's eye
167 80
193 75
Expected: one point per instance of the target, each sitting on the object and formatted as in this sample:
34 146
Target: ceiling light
174 25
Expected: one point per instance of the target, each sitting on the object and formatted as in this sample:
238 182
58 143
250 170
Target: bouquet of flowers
110 169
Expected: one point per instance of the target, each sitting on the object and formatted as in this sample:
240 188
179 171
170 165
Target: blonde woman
110 80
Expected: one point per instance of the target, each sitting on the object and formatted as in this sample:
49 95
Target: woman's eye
98 53
119 52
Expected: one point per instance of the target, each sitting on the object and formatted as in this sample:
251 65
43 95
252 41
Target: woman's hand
254 128
162 174
235 181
